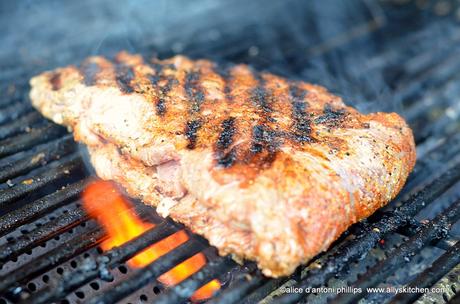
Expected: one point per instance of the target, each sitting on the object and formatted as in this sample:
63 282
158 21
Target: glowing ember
102 200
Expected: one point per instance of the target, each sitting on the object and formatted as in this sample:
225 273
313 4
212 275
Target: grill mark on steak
160 106
265 140
224 71
225 158
89 70
191 130
55 81
301 127
124 74
158 68
259 97
160 103
194 90
331 117
225 140
226 136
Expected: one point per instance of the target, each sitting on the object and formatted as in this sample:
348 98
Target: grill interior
379 55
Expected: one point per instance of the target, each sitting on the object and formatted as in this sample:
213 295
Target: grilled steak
265 168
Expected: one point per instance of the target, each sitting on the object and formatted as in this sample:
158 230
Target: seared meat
265 168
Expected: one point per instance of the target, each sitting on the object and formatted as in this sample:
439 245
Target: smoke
369 52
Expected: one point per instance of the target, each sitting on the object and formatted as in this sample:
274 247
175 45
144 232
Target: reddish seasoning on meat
265 168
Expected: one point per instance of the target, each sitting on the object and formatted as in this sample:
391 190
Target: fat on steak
267 169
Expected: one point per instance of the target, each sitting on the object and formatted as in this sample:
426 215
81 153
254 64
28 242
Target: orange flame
102 200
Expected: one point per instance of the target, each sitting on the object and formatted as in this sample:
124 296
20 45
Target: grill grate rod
58 255
185 289
25 214
13 111
435 229
41 234
28 140
20 84
431 275
445 243
239 290
434 102
369 236
260 293
56 175
422 78
33 159
435 158
20 125
109 260
242 283
151 272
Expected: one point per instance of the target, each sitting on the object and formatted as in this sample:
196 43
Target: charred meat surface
265 168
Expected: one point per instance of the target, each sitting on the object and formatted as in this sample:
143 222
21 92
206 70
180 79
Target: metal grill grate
49 246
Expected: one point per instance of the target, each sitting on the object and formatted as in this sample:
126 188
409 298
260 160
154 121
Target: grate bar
242 284
185 289
25 214
438 156
432 100
440 103
25 141
239 290
52 258
411 229
60 173
20 85
414 42
13 111
109 260
431 275
435 229
368 238
447 123
42 154
20 125
150 272
41 234
443 72
261 292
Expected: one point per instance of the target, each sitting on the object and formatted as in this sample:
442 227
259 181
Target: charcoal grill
380 55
